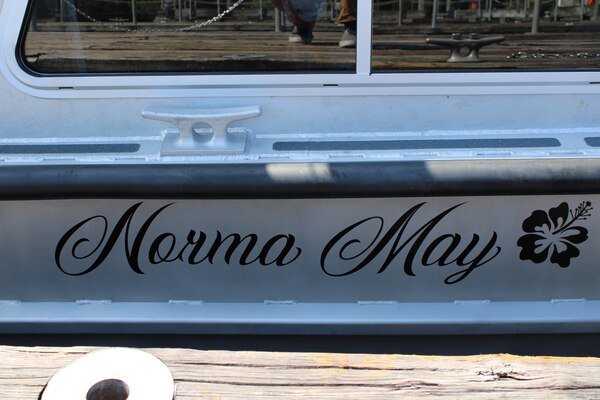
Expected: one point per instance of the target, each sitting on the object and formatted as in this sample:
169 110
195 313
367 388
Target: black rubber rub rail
302 180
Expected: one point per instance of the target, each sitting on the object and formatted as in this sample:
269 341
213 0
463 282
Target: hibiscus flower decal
553 233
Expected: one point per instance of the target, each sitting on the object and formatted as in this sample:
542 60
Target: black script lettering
288 246
397 231
236 240
279 249
154 252
424 232
460 260
132 252
443 259
197 246
365 254
350 245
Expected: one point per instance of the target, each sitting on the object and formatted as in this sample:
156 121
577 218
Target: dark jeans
302 12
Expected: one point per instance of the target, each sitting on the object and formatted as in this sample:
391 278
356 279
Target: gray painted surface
446 250
504 293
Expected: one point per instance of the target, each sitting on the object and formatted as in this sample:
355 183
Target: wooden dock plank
252 375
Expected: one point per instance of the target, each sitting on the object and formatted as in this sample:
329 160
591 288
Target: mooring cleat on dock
457 43
112 374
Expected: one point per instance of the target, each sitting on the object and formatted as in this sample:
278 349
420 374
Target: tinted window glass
485 34
185 36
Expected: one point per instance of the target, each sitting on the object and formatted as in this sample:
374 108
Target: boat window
185 36
308 36
416 35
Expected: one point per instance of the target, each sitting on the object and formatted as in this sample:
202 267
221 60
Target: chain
524 55
216 18
121 28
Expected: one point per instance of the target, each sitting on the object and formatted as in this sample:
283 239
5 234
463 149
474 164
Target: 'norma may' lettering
362 244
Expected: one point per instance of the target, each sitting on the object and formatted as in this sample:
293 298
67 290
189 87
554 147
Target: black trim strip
592 141
69 148
325 180
415 144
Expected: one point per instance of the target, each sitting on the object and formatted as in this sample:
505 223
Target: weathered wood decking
274 375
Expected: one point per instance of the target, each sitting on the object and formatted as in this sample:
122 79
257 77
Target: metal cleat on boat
472 44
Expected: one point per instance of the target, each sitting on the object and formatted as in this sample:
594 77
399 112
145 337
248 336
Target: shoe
348 38
301 34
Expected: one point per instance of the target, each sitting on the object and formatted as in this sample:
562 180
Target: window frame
362 82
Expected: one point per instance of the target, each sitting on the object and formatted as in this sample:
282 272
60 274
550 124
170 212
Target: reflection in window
485 34
190 36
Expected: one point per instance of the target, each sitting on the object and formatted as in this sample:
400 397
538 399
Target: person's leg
347 12
306 10
348 18
302 14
